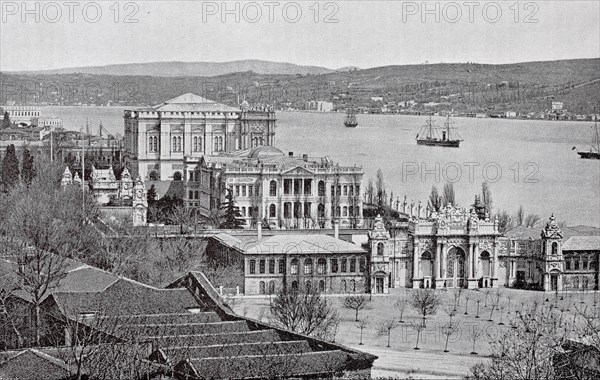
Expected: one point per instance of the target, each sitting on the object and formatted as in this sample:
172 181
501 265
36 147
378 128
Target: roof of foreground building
196 335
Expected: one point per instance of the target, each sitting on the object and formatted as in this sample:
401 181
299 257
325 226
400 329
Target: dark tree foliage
435 200
10 167
27 167
449 196
6 121
233 217
151 195
167 205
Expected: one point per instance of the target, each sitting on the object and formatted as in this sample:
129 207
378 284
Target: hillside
521 87
193 69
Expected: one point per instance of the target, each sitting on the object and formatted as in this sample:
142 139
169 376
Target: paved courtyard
430 361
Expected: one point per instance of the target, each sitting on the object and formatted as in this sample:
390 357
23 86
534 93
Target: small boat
594 152
351 121
434 136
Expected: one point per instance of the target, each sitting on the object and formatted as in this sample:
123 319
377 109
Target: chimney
336 229
305 157
259 230
291 154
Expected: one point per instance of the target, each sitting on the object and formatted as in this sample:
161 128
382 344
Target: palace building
283 191
159 138
454 248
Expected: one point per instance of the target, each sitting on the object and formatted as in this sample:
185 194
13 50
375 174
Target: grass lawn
430 360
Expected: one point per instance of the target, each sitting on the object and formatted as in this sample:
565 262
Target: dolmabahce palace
313 210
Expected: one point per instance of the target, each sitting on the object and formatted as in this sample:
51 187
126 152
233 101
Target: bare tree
501 306
534 348
356 302
12 316
365 323
468 296
425 302
384 328
401 305
495 302
531 220
448 329
449 197
474 334
306 312
418 327
520 216
478 299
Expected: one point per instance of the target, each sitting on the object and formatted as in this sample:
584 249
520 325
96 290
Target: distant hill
464 87
190 69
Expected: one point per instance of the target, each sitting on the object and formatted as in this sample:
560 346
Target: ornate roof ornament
379 231
552 230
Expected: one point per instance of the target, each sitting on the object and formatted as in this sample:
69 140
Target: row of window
342 265
576 263
299 186
245 190
177 146
344 287
294 210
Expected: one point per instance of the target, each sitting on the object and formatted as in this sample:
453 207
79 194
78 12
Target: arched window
321 188
177 176
343 286
294 266
271 287
485 263
352 285
261 287
337 211
272 211
197 144
362 265
273 189
321 210
345 211
308 266
321 266
321 286
426 264
380 248
555 248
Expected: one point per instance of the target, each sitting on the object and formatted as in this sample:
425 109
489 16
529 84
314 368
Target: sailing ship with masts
594 152
351 121
433 135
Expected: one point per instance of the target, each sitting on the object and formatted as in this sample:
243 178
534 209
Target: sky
49 35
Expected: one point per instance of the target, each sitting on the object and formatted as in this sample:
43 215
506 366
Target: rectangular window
272 266
294 268
281 266
308 186
261 267
287 186
362 265
344 265
252 266
256 190
352 265
334 265
243 191
345 190
249 190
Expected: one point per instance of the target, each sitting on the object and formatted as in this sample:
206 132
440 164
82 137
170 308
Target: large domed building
158 138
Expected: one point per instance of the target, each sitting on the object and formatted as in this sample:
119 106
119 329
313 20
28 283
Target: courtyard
474 330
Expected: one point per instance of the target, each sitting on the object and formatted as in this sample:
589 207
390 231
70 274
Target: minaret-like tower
140 203
552 255
379 260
